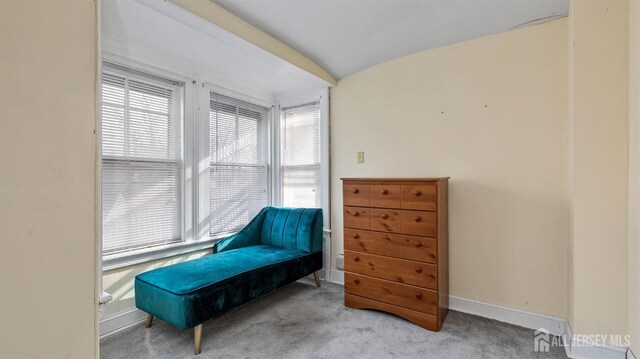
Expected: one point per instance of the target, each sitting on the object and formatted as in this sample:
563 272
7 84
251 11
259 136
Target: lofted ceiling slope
348 36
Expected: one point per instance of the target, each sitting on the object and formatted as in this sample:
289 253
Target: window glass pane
249 137
223 132
238 193
301 187
113 104
239 186
140 204
301 156
141 163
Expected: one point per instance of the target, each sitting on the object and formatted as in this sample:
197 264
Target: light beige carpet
302 321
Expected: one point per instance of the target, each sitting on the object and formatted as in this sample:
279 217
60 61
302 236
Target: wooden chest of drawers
395 247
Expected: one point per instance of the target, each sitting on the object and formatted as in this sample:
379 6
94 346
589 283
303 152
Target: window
239 182
141 160
177 175
301 156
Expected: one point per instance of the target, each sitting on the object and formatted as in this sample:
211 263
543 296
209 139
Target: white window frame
291 100
202 199
286 101
197 89
152 79
188 244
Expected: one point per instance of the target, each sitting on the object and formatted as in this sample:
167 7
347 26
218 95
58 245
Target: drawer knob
355 236
384 191
417 244
419 295
356 214
418 270
417 193
385 216
356 259
356 281
355 190
417 219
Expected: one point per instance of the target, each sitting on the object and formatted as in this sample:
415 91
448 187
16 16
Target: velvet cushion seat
191 276
278 247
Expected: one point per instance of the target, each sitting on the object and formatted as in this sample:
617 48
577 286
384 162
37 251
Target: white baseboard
117 322
509 315
578 349
336 276
568 333
592 351
555 325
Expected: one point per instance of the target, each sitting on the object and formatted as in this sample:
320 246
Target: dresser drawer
393 245
387 196
355 195
418 223
421 198
420 299
426 321
356 217
385 220
393 269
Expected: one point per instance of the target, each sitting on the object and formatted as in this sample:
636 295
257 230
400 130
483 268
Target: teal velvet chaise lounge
278 247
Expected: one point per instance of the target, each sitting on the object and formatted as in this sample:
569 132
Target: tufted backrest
293 228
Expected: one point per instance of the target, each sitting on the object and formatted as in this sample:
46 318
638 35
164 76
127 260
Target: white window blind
239 186
141 161
301 156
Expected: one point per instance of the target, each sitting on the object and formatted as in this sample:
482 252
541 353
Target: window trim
282 166
320 95
196 92
293 100
204 223
168 81
189 112
202 156
158 252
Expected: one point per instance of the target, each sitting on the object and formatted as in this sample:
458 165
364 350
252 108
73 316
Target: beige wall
47 179
119 282
634 175
492 114
599 178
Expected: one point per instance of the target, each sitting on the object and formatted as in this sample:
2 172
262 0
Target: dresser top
428 179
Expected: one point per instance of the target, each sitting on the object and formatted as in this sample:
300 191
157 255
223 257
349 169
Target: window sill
127 259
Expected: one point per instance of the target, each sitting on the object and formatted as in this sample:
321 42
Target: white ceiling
347 36
168 37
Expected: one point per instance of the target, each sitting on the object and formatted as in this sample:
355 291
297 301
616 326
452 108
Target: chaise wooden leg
149 320
316 276
197 338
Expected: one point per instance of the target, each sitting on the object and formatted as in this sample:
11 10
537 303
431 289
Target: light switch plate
360 157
